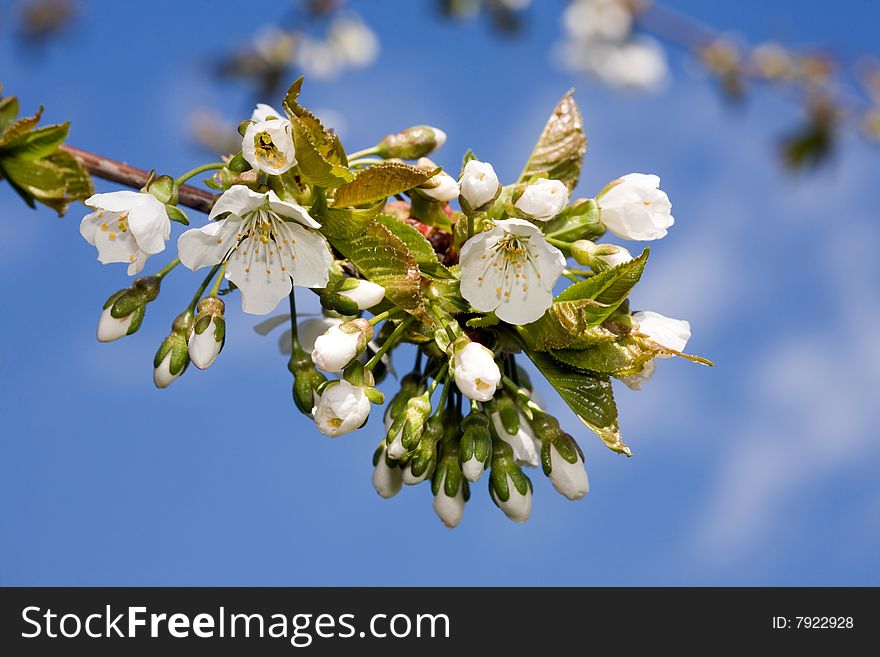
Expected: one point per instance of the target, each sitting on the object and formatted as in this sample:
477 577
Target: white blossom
526 447
366 294
665 331
267 144
110 328
510 269
341 408
517 507
609 20
126 227
479 183
162 376
475 371
441 186
570 479
339 345
620 256
635 208
387 480
473 468
204 347
309 330
267 243
449 509
543 199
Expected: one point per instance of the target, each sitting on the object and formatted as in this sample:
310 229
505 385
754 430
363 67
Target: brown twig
125 174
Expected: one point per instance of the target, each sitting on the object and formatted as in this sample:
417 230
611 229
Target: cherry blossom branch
125 174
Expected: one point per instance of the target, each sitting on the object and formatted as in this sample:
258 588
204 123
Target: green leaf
589 395
483 321
8 111
430 212
575 315
39 143
19 128
468 156
378 254
315 168
624 357
418 245
55 181
561 146
379 182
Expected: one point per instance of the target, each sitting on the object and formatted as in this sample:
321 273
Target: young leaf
8 112
377 253
38 143
379 182
561 147
315 168
575 314
18 128
420 247
430 212
589 395
621 358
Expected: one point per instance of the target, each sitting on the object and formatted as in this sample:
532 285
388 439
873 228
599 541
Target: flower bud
580 220
475 371
509 488
478 185
412 143
449 487
364 294
406 429
424 458
172 357
410 386
635 208
341 408
306 380
339 345
124 311
542 200
387 476
209 333
563 462
599 256
441 186
526 447
476 445
665 331
310 330
164 189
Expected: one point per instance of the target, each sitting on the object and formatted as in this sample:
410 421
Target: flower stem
194 172
162 273
571 276
518 392
559 243
203 287
384 315
293 335
215 288
441 376
444 394
372 150
440 319
390 342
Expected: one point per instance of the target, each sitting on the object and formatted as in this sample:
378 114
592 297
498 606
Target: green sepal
476 442
237 164
176 214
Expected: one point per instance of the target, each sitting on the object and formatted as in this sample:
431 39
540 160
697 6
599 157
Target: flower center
265 149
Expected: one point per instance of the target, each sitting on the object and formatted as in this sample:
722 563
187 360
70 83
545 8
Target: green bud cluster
133 301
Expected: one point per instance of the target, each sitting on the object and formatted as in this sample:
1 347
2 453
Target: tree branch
125 174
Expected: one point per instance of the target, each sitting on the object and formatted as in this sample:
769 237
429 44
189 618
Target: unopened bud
172 356
476 445
209 333
387 476
124 311
412 143
510 489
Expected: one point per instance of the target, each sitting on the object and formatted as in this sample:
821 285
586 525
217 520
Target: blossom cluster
470 288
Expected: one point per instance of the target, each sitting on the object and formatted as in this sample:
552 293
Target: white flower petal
280 156
306 254
291 210
258 276
264 112
238 199
666 331
149 223
208 245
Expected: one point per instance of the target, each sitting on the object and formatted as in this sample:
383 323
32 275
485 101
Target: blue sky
760 471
